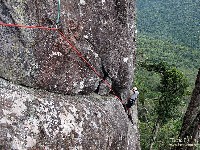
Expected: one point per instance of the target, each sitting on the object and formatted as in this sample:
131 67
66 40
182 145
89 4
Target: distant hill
176 20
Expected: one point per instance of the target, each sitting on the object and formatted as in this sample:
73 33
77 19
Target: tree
172 87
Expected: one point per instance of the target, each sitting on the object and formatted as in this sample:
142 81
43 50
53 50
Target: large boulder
47 95
32 119
103 31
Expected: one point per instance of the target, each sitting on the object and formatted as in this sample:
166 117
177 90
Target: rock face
47 95
36 119
103 31
190 130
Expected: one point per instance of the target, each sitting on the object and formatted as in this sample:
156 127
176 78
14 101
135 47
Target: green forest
174 20
168 36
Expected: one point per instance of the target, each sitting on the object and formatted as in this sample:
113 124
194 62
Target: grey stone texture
47 93
103 31
190 131
37 119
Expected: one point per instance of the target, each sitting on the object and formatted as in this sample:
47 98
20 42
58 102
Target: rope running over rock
72 46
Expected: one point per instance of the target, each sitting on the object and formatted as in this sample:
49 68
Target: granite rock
47 95
103 31
36 119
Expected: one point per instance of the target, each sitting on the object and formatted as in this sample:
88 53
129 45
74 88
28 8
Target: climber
131 101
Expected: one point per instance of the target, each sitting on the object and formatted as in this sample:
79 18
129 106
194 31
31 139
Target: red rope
72 46
24 26
84 60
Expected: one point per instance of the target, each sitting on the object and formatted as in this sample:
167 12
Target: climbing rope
80 55
73 48
58 14
24 26
69 42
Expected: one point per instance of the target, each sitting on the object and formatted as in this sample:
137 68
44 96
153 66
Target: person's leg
129 111
129 114
130 118
125 107
128 106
